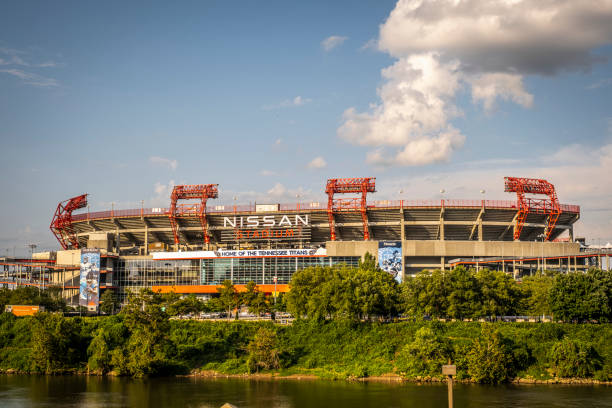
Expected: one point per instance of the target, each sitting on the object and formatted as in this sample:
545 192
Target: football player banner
89 293
390 258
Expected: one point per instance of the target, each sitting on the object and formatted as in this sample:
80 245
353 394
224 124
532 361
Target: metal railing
493 204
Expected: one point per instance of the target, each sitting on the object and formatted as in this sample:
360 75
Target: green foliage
27 295
55 342
141 341
425 355
184 306
573 358
263 352
228 297
578 297
341 292
499 294
489 359
536 290
109 302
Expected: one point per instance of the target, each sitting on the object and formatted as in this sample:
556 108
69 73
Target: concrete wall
458 249
69 257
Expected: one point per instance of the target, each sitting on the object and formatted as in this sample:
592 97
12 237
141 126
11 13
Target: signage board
89 291
266 228
244 253
390 258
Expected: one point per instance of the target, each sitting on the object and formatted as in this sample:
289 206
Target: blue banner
89 293
390 258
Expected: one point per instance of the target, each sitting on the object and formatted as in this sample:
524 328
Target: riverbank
523 353
278 376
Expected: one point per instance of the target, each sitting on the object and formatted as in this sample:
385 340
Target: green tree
149 348
426 294
263 352
425 355
488 359
580 296
573 358
184 306
536 291
55 342
500 294
249 297
109 302
228 296
464 297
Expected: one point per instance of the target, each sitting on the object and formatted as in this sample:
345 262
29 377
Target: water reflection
77 391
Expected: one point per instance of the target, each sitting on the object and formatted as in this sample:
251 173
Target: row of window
146 272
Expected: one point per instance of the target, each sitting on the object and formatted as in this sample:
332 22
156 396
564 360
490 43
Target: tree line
366 291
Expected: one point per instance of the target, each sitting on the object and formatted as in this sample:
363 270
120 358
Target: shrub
488 358
424 356
573 358
263 352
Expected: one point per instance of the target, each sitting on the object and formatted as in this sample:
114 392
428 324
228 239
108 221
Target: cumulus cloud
486 88
488 46
332 42
164 162
414 113
527 36
267 173
317 163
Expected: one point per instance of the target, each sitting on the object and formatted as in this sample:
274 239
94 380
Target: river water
79 391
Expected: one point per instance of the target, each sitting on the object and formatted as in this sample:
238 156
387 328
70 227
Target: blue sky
269 99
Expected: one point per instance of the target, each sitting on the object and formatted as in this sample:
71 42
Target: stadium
194 245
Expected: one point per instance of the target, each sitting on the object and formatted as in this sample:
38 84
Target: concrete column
571 233
402 226
514 269
146 240
118 240
441 228
442 262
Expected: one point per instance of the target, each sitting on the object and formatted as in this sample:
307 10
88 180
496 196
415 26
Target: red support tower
191 192
61 224
361 186
527 205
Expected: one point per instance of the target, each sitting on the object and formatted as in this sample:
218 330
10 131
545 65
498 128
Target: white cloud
371 44
332 42
600 84
414 113
317 163
14 60
526 36
486 45
579 173
30 78
486 88
162 161
288 103
277 190
267 173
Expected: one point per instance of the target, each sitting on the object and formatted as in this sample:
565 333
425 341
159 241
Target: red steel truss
191 192
361 186
61 224
527 205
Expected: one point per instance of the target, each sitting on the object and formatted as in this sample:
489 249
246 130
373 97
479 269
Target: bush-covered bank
135 346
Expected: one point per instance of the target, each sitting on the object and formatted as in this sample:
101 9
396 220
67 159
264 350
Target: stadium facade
193 247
